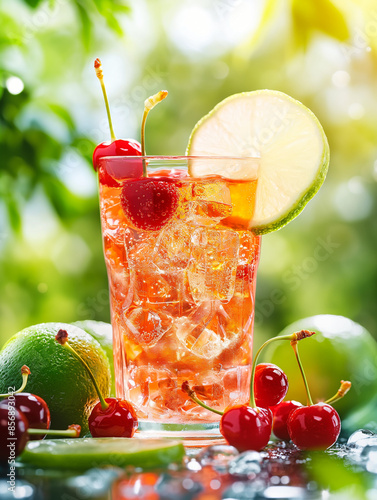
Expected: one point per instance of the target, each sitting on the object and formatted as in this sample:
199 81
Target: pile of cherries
23 417
249 426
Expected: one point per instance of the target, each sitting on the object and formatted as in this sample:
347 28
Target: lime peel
75 454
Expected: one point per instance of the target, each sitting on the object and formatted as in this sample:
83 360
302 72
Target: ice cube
209 391
362 443
247 464
358 435
113 220
204 332
217 456
211 202
213 264
157 274
172 248
149 283
146 326
193 333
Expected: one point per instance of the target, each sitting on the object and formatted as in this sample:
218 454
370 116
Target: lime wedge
88 452
287 138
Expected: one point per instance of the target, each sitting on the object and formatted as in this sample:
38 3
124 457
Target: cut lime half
89 452
287 138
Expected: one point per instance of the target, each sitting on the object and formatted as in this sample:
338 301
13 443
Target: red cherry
314 427
13 432
119 147
281 413
149 203
111 417
246 428
115 147
117 420
270 385
35 410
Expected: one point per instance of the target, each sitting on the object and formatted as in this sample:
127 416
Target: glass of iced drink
182 287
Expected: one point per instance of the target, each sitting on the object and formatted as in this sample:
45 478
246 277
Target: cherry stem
72 431
308 396
187 389
345 386
62 338
25 372
294 337
149 104
99 73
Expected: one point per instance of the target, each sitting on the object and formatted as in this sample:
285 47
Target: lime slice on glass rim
287 138
89 452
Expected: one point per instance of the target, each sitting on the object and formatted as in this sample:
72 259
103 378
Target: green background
321 52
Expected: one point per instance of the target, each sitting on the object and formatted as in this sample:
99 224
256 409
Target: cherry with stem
149 203
25 372
270 385
149 104
33 407
114 147
247 427
111 417
282 411
15 431
315 426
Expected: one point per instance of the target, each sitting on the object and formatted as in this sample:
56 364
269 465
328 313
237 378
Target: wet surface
280 471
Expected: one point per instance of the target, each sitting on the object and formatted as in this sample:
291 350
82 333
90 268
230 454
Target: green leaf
11 31
86 25
33 3
62 113
319 16
107 9
13 210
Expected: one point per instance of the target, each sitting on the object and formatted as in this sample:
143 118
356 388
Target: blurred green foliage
320 52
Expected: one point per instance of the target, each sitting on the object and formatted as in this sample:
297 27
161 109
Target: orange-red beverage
182 296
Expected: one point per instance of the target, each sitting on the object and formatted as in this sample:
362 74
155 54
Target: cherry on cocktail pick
315 426
115 147
247 427
111 417
150 203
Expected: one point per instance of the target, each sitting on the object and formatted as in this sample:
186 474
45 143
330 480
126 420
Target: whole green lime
103 333
340 350
56 375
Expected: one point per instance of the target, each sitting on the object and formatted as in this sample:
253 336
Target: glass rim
181 158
